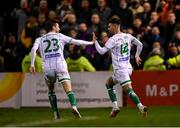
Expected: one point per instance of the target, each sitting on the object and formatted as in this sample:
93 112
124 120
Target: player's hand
32 69
138 60
94 37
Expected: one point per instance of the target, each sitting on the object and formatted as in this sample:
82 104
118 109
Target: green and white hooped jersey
120 47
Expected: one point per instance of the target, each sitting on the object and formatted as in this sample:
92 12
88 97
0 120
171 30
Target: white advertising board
89 89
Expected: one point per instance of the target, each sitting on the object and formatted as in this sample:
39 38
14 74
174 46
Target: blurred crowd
156 23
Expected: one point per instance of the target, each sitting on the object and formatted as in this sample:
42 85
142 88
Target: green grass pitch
91 117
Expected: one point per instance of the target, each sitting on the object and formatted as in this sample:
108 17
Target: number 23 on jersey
52 45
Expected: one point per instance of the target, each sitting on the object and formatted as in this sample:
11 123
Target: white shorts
52 76
122 76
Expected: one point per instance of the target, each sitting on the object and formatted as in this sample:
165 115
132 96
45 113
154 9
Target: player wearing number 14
120 45
51 46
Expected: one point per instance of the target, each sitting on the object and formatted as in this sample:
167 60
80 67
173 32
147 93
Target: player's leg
53 101
71 96
112 96
64 79
134 97
125 82
50 79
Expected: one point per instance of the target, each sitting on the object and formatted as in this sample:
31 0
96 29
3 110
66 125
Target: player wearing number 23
51 46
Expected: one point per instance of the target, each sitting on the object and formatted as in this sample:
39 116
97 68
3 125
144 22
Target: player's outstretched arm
101 50
81 42
71 40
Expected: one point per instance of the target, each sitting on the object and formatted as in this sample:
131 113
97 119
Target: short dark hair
114 20
49 25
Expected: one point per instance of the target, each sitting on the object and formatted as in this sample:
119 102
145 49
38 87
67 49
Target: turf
92 117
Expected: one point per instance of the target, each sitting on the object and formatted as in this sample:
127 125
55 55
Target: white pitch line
89 118
45 122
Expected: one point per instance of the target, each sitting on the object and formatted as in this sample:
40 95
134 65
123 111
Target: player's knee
51 88
109 85
127 87
67 86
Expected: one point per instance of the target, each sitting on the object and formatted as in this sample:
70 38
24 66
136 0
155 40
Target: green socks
130 92
53 102
112 93
133 96
71 97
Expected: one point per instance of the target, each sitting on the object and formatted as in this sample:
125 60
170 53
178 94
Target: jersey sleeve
101 50
81 42
138 44
67 39
33 51
110 43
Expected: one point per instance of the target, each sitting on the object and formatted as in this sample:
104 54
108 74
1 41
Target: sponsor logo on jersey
52 55
124 59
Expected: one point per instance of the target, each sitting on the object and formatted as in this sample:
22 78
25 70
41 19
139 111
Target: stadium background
154 22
